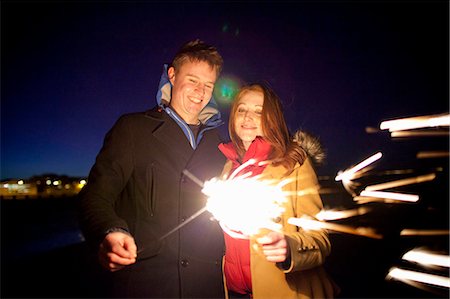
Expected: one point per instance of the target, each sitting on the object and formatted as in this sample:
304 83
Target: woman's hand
274 246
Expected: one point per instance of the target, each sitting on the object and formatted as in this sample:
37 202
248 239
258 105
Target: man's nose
200 88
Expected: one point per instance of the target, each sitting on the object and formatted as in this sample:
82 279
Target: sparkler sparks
317 225
245 204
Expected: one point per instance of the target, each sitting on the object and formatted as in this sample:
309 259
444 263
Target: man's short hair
197 50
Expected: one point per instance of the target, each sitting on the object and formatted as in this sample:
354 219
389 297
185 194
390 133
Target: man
138 191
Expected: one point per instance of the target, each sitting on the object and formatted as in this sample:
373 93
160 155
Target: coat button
184 263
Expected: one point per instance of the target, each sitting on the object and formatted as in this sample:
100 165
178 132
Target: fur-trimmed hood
311 145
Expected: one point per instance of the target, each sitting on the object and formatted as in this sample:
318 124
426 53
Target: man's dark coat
137 183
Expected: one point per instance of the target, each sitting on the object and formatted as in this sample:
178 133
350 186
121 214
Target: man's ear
171 74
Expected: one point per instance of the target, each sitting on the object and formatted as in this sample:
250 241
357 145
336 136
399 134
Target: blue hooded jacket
209 117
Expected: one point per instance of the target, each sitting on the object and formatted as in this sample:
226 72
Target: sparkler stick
317 225
432 279
427 258
416 122
403 182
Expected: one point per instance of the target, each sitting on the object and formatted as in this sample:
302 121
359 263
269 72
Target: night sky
70 69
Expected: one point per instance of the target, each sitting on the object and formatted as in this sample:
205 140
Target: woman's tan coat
305 277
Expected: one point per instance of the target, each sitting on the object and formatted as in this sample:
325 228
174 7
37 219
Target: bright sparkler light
407 275
349 174
311 224
427 258
245 204
391 195
326 215
416 122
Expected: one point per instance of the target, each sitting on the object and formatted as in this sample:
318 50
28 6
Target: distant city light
20 182
48 182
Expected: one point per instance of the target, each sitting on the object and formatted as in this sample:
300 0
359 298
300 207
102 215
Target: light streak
398 134
310 224
391 195
326 215
403 182
245 205
416 122
401 274
427 258
424 232
432 154
350 173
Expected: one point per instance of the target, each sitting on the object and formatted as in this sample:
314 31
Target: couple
138 191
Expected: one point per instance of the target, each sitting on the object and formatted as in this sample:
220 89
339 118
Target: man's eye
193 80
209 86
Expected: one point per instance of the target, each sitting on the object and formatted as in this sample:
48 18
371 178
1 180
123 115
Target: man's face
192 87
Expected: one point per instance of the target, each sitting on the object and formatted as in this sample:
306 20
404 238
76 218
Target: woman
286 263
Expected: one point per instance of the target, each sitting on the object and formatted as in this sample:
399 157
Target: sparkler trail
403 182
391 195
350 173
416 122
427 258
424 232
432 154
408 275
317 225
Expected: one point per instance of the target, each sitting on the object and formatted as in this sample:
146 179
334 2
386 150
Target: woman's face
247 121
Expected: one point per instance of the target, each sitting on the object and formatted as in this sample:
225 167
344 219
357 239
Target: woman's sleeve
308 248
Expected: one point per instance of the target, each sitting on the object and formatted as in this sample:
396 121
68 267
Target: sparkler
245 204
310 224
241 203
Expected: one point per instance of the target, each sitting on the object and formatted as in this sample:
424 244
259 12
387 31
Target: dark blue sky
69 69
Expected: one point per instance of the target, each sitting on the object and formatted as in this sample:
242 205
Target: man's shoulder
153 114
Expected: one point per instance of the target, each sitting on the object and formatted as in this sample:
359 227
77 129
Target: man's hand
274 246
117 251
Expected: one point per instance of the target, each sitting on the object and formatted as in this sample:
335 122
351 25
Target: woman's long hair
285 151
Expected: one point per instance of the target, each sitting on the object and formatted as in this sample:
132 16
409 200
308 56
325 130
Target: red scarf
237 255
